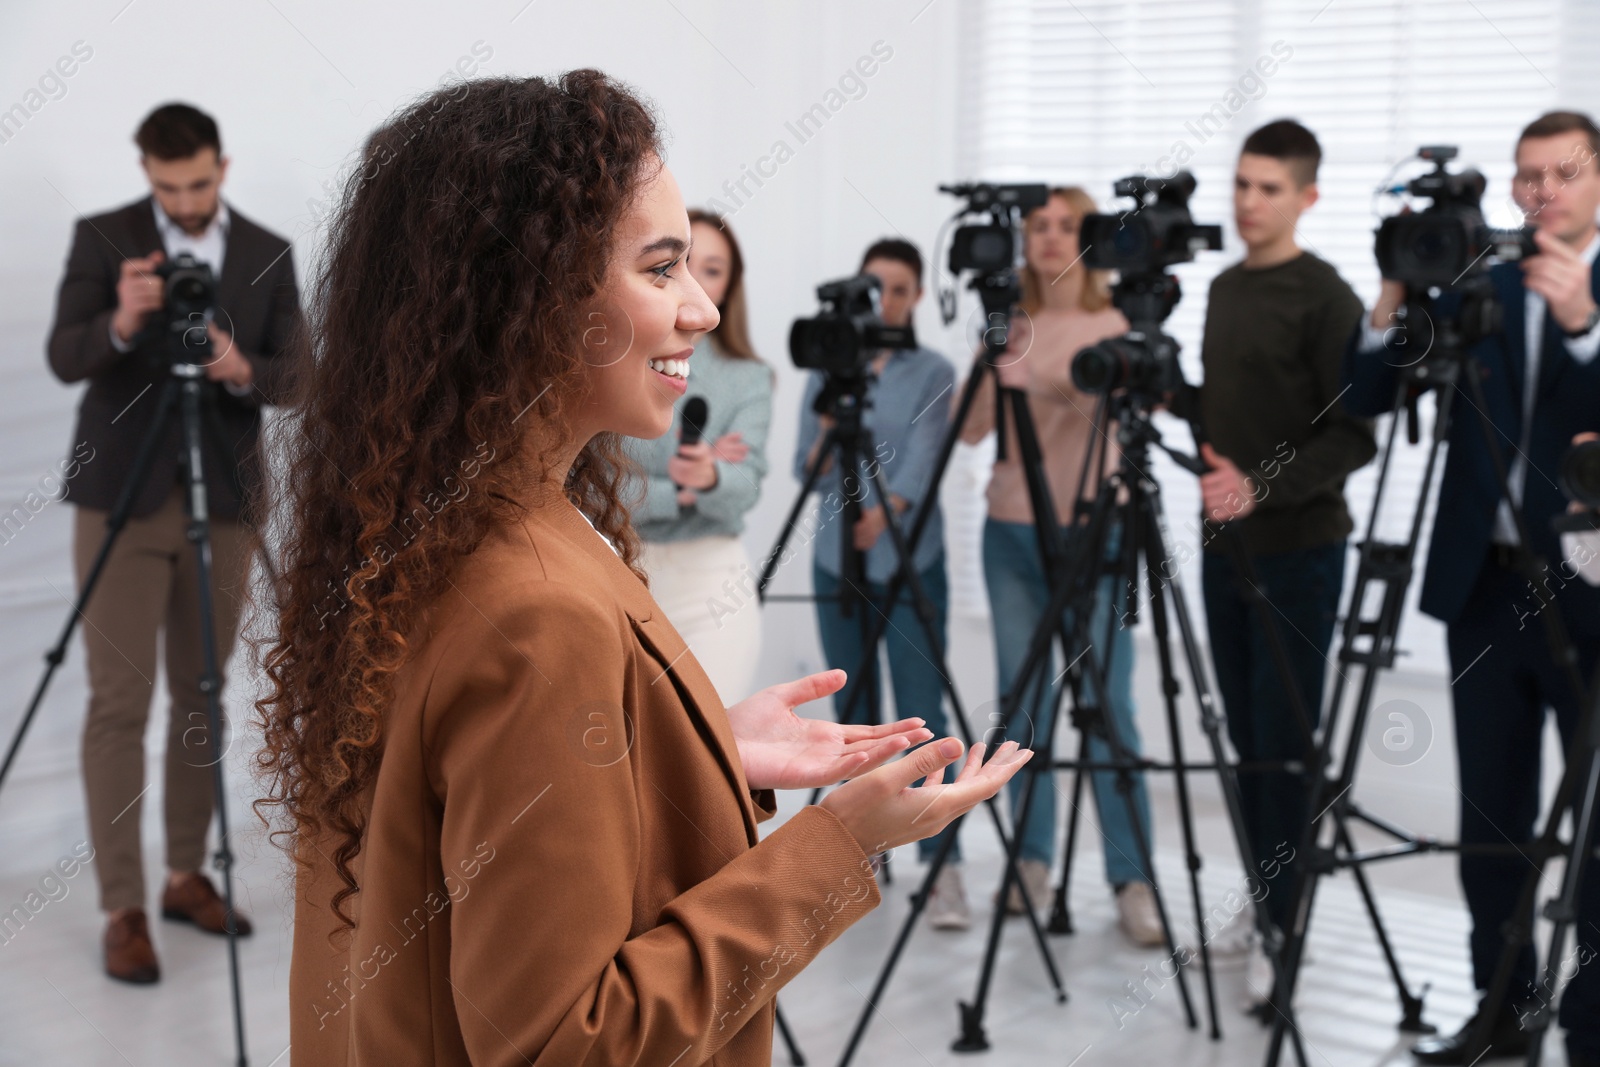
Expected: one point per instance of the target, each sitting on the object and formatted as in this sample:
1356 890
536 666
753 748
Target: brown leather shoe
195 900
130 957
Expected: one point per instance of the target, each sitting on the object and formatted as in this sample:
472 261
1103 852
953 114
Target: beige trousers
150 585
708 590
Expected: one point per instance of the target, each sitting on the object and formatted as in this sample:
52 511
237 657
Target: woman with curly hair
524 824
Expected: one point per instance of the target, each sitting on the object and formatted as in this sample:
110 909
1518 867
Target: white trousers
708 590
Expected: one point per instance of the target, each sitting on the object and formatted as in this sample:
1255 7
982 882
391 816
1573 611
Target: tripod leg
118 518
796 1057
211 681
1060 913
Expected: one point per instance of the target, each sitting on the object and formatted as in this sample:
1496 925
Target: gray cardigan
738 395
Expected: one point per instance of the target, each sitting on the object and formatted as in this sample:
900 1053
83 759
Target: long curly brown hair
445 323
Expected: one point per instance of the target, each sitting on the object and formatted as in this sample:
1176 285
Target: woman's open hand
782 750
882 810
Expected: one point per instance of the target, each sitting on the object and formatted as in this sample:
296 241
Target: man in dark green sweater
1281 445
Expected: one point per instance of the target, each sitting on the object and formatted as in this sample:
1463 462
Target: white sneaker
1137 915
947 901
1035 876
1235 938
1258 981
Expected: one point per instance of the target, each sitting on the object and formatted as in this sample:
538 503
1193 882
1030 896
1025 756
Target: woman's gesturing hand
882 810
782 750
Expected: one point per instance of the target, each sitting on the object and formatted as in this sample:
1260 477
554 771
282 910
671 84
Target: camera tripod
183 396
1369 643
848 443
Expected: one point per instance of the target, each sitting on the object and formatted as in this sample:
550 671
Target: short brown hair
1554 123
177 131
1291 144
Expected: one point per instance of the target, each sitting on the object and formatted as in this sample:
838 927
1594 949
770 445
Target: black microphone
694 423
695 410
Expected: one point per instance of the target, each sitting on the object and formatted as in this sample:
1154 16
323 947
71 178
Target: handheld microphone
695 410
693 426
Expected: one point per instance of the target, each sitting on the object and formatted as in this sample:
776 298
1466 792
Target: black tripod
849 444
1369 643
184 395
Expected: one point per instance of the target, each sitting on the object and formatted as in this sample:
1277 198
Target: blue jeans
1018 596
1303 588
917 688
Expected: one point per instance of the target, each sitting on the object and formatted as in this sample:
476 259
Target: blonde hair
732 334
1096 292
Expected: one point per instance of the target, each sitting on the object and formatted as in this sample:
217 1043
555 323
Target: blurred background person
110 331
908 415
695 496
1065 307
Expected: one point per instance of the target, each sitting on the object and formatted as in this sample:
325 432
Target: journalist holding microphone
109 331
1541 384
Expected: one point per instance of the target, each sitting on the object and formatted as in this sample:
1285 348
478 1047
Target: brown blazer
561 864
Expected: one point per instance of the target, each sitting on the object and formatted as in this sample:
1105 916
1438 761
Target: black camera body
1156 233
190 299
993 246
1140 244
1448 242
841 339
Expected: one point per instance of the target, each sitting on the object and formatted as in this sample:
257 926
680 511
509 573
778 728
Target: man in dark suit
110 331
1541 384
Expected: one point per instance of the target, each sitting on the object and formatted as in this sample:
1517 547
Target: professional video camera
1141 243
991 246
190 301
1447 243
841 340
1156 233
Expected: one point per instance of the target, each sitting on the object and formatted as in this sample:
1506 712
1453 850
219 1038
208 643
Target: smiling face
1051 238
1557 185
643 325
187 189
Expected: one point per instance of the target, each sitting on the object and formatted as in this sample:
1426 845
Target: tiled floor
58 1008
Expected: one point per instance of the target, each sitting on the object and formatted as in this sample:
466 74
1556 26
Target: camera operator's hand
693 467
870 527
1560 275
227 364
1386 311
140 290
882 811
1225 492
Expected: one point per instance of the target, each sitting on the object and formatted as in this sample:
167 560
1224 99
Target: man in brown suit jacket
109 331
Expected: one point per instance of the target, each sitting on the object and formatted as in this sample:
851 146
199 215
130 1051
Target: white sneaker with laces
1137 915
1235 938
947 901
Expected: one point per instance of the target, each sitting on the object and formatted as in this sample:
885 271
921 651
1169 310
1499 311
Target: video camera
1156 233
190 298
1159 232
841 339
995 245
1448 242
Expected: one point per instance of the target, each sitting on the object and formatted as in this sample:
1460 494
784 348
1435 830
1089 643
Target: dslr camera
841 339
189 302
1156 233
1446 244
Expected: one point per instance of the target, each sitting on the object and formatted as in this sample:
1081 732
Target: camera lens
1580 474
1098 368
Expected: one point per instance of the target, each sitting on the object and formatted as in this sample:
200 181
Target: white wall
296 86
